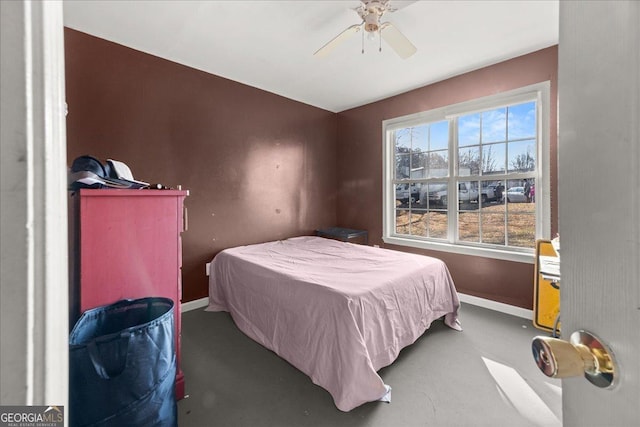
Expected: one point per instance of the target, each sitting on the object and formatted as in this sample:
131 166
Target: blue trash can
122 365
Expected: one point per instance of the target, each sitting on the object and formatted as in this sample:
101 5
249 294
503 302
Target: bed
337 311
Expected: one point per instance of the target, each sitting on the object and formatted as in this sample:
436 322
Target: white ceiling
270 44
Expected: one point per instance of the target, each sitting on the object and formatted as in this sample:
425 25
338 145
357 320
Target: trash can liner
122 365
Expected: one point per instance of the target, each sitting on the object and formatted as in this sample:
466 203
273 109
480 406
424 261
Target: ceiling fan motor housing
371 23
371 11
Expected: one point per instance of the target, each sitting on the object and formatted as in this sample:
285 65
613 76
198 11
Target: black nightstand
345 234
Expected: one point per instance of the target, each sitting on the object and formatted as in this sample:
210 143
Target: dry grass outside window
521 223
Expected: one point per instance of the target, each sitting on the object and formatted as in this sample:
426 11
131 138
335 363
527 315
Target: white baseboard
496 306
194 305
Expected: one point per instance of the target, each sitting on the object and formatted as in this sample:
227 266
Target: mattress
337 311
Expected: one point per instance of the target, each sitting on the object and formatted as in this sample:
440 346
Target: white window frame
539 92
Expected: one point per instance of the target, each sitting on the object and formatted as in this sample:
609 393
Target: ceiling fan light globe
371 28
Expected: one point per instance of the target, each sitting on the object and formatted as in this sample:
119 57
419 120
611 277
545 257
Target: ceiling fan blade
398 5
397 40
327 48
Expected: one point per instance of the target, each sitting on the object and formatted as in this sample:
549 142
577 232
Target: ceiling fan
371 12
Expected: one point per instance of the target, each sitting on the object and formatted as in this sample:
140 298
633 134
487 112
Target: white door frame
34 259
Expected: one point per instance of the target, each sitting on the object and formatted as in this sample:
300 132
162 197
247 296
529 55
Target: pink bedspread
337 311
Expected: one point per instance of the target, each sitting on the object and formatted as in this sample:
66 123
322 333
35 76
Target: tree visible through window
468 178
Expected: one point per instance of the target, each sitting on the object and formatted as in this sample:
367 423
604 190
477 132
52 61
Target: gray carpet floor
482 376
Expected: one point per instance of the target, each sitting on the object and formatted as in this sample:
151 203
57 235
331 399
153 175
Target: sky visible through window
499 131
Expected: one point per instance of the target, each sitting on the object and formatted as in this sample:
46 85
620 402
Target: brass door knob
585 354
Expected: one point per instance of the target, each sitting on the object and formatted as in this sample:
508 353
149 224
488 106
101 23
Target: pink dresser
126 244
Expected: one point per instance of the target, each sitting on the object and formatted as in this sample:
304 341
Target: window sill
524 257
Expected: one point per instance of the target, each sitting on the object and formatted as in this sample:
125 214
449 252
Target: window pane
522 156
401 192
520 191
434 195
439 136
402 166
414 194
468 227
521 230
407 195
419 136
418 224
469 130
490 194
438 224
402 221
494 125
469 161
402 140
522 121
419 165
493 158
468 194
438 164
493 228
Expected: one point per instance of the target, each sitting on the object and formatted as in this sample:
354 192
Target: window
472 177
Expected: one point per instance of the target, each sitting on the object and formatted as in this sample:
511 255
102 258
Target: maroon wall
258 166
360 167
